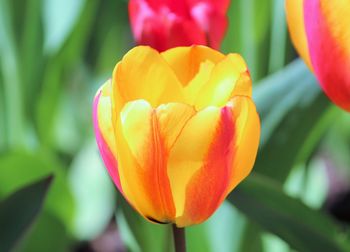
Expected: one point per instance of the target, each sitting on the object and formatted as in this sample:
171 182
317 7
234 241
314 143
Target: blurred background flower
54 54
167 24
321 33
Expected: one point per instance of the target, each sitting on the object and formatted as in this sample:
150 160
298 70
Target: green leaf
278 43
9 68
198 239
18 212
263 201
59 21
56 66
294 115
115 37
31 45
251 238
3 135
139 234
57 239
227 230
18 169
249 33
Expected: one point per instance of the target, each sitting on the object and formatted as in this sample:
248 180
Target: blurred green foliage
54 54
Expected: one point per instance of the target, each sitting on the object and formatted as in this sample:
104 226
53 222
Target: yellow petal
229 77
337 15
296 25
247 138
104 131
142 163
188 153
144 139
199 80
230 153
172 117
144 74
186 61
104 111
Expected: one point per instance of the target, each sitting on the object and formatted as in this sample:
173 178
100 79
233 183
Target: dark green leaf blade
263 201
19 210
294 116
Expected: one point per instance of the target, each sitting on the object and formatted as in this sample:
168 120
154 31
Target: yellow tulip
177 130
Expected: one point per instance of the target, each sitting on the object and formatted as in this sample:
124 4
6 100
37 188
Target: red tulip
163 24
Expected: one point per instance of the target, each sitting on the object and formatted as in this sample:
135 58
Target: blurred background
54 54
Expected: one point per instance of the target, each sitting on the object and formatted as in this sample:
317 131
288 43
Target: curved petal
193 88
295 20
230 77
186 61
104 131
144 74
229 157
188 152
142 167
327 27
247 125
144 136
172 118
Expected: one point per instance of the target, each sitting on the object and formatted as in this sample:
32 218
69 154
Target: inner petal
144 74
142 162
230 77
199 80
186 61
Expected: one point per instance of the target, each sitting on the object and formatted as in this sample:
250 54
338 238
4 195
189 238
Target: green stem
179 239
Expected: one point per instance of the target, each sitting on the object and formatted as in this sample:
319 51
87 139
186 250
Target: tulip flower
177 130
320 30
167 24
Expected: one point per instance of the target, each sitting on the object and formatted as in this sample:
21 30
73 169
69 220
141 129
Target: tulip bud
320 30
177 130
166 24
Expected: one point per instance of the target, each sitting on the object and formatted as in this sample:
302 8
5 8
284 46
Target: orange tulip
320 30
177 130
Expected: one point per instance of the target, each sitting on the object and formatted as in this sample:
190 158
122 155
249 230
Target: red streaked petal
229 159
206 189
142 162
328 39
247 125
188 152
296 26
